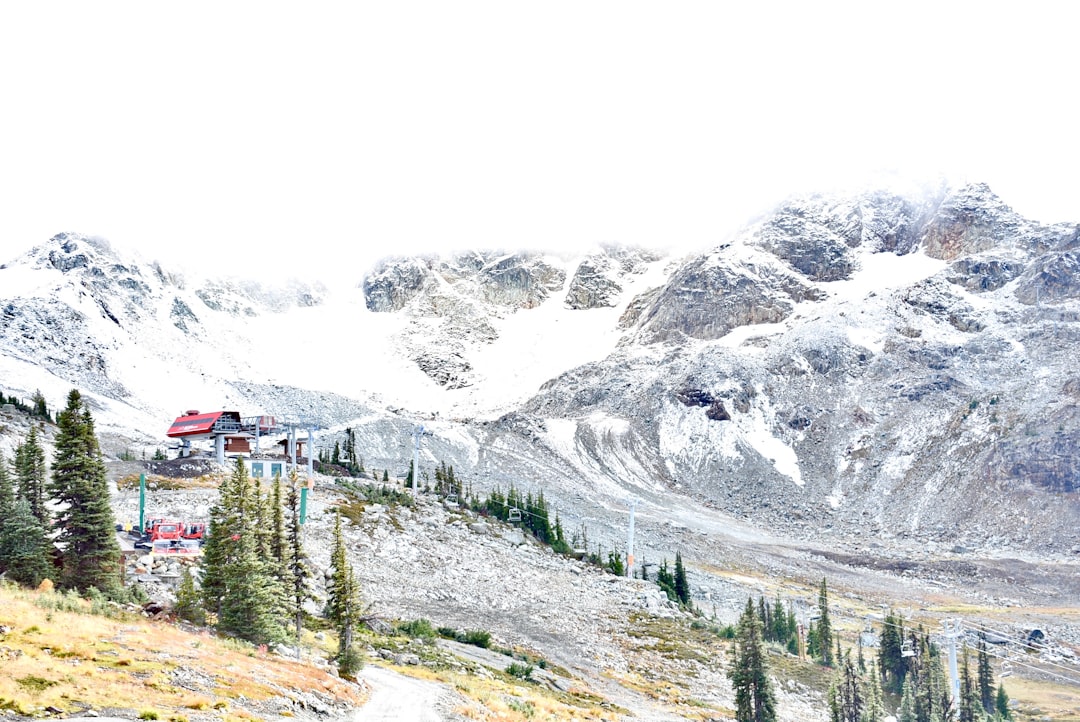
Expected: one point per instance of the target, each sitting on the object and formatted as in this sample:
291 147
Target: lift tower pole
632 502
953 631
417 433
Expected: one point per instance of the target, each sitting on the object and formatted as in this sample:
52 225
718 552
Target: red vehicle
171 530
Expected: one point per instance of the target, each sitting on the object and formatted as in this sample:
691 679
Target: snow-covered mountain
870 366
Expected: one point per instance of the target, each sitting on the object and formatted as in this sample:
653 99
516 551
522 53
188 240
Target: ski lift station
232 435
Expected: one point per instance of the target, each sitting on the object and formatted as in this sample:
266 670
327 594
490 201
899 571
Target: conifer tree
1001 703
343 604
91 554
824 627
40 409
682 586
25 550
970 706
874 705
985 678
7 497
30 475
238 584
755 700
298 580
278 540
779 622
188 603
666 581
891 663
907 711
846 692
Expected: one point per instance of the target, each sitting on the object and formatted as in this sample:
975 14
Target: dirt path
395 697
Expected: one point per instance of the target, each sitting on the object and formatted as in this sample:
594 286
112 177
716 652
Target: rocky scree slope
935 399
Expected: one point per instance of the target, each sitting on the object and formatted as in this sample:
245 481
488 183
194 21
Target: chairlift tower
417 433
632 502
953 631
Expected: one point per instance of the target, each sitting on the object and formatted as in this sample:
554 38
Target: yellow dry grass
1044 700
75 662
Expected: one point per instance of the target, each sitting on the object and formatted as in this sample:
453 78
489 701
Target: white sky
249 132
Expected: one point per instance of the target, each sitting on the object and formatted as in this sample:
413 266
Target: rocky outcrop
597 282
712 294
971 220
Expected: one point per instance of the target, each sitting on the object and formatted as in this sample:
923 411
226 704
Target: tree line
909 668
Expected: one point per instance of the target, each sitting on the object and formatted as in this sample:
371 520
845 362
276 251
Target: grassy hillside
55 653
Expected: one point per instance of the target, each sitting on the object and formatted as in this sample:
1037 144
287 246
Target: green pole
303 504
142 500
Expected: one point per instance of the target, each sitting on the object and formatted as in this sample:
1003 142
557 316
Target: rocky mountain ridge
878 365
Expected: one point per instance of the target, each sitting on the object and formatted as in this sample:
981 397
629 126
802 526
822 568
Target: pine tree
242 587
40 409
755 699
847 692
188 603
298 581
343 604
1001 703
891 661
386 475
30 475
91 556
985 678
907 711
682 586
824 627
25 550
874 705
7 496
666 581
970 706
779 622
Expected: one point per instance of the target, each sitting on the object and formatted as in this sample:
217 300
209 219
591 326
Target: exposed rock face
597 280
712 294
971 220
396 282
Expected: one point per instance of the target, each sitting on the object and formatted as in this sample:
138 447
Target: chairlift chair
451 499
906 650
515 514
1006 669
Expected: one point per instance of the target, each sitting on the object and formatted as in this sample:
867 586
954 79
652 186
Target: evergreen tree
985 679
386 475
7 497
91 554
30 475
891 663
278 540
907 711
188 603
240 585
824 627
847 692
874 706
1001 703
343 604
970 706
25 550
40 409
682 587
298 581
755 699
666 581
779 622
